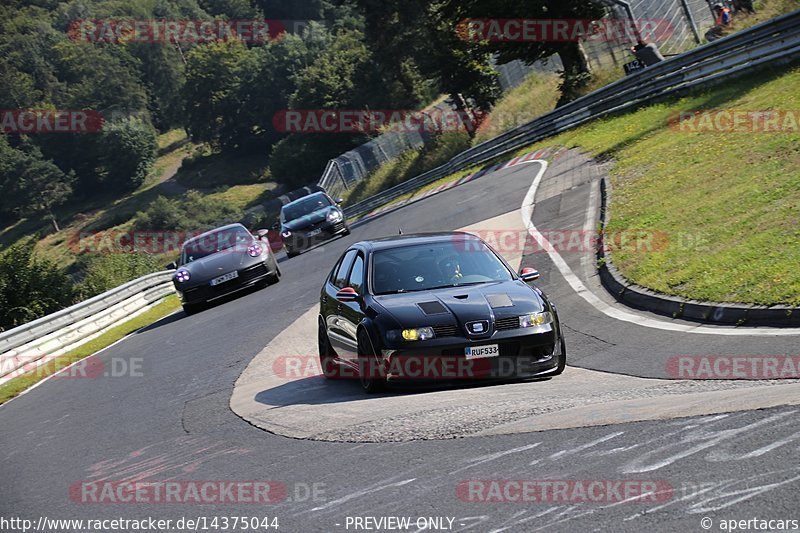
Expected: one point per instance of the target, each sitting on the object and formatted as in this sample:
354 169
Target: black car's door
351 313
338 334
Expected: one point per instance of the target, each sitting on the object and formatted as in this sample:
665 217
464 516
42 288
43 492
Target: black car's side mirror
339 200
348 294
172 266
529 274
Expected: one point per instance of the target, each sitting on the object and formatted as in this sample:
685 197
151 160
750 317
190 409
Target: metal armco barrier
53 334
772 42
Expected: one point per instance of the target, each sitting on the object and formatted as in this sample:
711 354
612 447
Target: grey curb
672 306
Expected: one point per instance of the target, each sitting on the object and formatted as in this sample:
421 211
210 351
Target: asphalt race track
172 419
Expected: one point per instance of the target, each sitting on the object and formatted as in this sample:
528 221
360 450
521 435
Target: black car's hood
220 263
468 303
309 220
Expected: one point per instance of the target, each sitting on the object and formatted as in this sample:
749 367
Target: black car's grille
511 322
312 227
339 226
445 331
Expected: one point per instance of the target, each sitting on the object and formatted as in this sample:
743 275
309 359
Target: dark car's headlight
412 334
286 234
182 276
536 319
254 250
334 215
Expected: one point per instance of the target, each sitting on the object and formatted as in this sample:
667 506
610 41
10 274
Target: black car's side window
340 278
356 279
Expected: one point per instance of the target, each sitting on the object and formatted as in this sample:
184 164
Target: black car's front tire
326 354
369 373
562 358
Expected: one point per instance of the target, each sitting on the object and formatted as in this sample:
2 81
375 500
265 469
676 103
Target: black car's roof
306 197
399 241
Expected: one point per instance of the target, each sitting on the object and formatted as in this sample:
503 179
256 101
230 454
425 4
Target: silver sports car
220 262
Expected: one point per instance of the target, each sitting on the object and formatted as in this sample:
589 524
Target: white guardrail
30 345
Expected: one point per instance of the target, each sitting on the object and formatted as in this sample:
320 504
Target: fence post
692 23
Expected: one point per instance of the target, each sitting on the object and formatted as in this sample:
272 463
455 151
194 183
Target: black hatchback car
310 220
441 306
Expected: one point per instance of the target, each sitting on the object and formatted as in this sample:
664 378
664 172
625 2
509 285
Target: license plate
479 352
227 277
314 232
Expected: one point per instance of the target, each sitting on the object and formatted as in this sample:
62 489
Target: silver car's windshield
231 239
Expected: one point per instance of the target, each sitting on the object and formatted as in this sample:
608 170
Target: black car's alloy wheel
368 365
326 353
561 354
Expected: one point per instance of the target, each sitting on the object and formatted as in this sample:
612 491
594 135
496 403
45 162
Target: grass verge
15 386
728 204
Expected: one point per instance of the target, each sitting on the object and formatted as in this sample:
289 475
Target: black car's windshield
231 239
304 207
430 266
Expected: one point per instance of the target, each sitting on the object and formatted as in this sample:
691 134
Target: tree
413 39
573 58
214 75
30 184
330 82
128 152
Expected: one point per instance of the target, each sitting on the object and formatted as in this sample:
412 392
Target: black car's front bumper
205 292
300 239
521 355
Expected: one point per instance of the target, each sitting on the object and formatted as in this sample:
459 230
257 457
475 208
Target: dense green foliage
30 286
194 212
103 272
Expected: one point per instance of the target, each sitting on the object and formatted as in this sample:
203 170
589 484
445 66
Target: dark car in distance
220 262
439 306
310 220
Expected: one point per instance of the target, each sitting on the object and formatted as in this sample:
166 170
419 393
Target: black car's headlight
536 319
334 215
412 334
286 234
182 276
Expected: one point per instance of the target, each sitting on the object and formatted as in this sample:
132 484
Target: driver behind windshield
450 269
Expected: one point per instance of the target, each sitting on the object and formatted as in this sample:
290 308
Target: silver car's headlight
536 319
